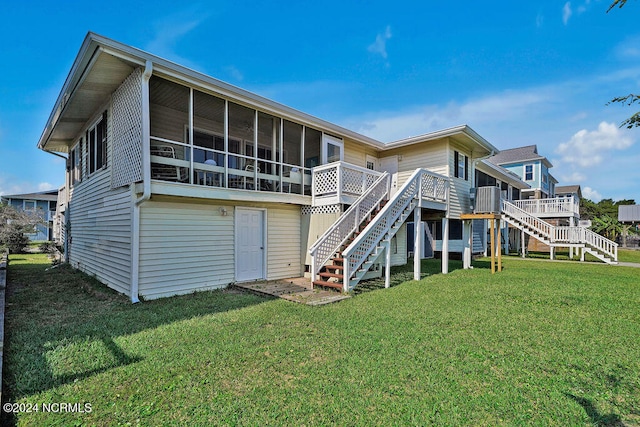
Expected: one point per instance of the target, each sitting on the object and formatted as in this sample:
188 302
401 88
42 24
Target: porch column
417 242
387 267
467 239
552 252
506 238
445 245
572 224
522 244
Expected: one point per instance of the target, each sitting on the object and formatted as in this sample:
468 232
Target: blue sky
518 73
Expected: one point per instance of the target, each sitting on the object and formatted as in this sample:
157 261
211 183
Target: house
177 182
531 167
567 191
629 216
42 204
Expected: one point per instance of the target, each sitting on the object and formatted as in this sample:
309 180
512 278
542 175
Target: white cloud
496 108
235 73
573 178
566 13
45 186
380 45
589 148
591 194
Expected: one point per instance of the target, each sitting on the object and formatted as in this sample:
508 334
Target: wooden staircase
332 274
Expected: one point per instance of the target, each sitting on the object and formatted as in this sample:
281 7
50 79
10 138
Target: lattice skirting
327 209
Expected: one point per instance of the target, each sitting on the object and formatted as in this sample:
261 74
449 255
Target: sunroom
201 139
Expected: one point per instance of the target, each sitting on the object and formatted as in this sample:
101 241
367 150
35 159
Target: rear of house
178 182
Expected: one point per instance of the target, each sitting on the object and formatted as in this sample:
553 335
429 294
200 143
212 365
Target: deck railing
337 234
335 180
560 206
382 226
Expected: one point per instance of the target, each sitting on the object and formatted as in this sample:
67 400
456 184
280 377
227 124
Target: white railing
434 186
562 234
337 234
601 243
527 219
382 226
338 179
561 206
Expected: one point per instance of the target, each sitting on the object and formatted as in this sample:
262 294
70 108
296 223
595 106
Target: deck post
572 224
552 252
499 244
467 240
492 248
522 243
387 267
445 245
417 242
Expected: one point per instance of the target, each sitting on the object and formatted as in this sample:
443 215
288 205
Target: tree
604 215
630 99
14 224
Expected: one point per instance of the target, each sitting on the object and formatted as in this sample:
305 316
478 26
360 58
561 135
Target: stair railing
535 223
562 234
337 234
359 250
601 243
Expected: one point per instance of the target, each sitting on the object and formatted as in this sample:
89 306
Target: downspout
146 183
67 184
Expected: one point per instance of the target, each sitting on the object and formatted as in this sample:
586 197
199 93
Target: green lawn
538 344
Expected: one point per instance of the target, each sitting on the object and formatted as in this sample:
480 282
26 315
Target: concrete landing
297 289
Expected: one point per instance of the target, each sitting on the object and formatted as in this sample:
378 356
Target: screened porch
204 140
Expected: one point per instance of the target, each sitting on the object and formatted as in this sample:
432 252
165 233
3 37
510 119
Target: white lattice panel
352 181
327 209
325 182
127 131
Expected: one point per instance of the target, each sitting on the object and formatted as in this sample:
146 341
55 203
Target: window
96 146
76 163
461 165
528 173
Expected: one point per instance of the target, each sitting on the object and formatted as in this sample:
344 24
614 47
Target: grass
538 344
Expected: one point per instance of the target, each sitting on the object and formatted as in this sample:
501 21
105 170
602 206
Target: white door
250 244
390 165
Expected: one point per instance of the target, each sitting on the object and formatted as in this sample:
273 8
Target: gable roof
517 155
569 189
502 174
629 213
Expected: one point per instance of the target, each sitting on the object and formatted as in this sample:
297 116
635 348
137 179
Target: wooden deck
296 289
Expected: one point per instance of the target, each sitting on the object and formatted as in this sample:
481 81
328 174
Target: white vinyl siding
283 242
100 234
356 153
458 187
187 247
432 156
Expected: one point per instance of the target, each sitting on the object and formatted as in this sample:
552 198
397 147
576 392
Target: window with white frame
461 165
528 173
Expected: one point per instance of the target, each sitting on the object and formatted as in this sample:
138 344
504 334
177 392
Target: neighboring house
629 216
531 167
42 204
569 191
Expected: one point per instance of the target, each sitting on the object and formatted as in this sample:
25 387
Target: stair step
326 284
338 259
334 267
328 274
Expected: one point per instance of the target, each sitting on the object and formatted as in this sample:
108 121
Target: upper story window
90 152
461 164
545 178
528 173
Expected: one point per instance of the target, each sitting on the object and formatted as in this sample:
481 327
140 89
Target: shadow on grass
598 419
404 273
63 314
